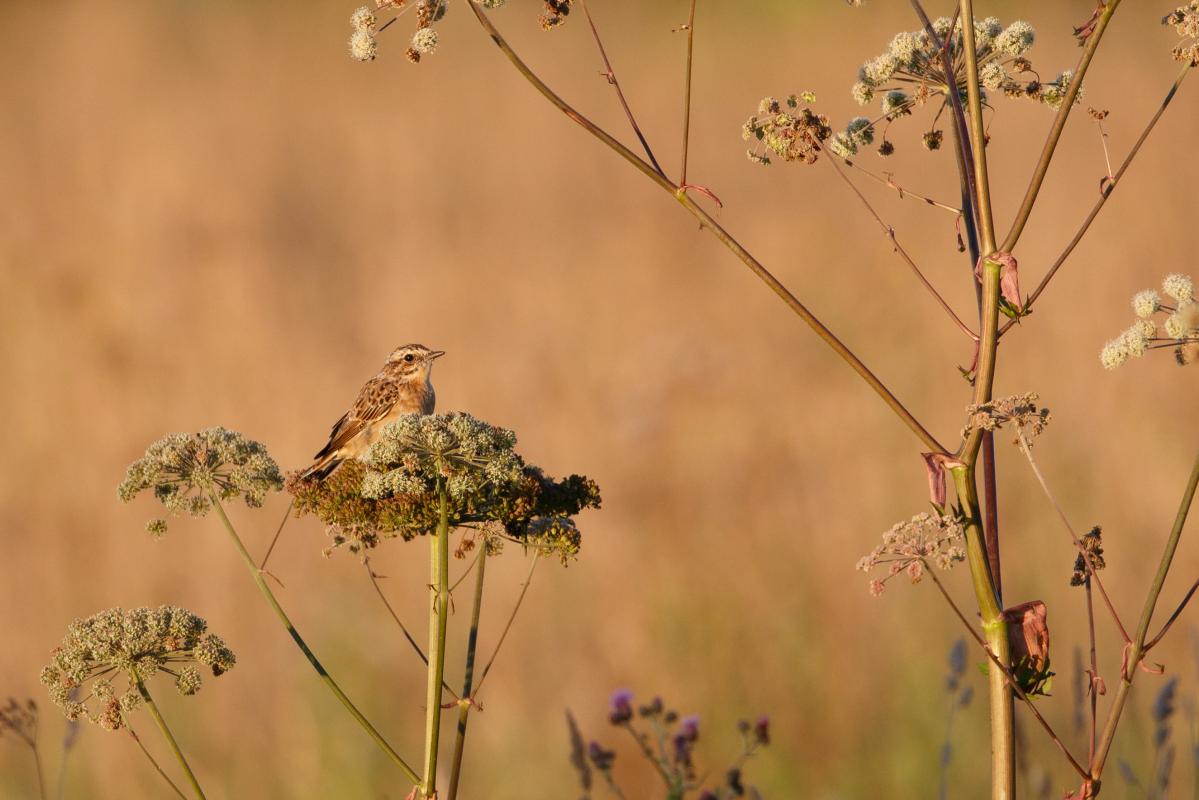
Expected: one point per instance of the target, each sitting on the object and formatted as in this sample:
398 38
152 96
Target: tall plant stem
687 92
325 677
1104 195
472 645
991 513
166 734
1003 739
978 137
1137 648
1059 124
439 600
1011 679
710 224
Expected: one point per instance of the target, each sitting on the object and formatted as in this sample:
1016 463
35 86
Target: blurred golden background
211 215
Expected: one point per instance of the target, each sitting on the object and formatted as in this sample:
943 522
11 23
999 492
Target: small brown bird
401 387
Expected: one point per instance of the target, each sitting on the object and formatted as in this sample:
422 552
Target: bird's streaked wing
377 397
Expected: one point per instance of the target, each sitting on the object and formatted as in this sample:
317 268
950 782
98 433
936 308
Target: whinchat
403 386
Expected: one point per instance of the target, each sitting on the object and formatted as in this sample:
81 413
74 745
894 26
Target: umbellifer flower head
912 68
1180 326
1020 409
908 546
103 658
785 129
1185 21
184 470
397 489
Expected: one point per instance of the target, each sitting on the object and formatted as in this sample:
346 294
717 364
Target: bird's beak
436 354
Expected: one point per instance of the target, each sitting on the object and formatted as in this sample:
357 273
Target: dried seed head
135 645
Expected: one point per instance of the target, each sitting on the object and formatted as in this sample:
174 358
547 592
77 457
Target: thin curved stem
889 232
706 220
1011 679
464 708
901 191
1061 513
1104 195
374 579
325 677
166 734
610 76
439 601
1137 649
508 625
137 740
1059 124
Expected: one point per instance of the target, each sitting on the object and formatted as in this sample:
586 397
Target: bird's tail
322 468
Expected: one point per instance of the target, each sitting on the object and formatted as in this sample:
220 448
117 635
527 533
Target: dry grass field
210 215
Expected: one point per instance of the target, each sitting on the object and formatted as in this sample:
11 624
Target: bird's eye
409 358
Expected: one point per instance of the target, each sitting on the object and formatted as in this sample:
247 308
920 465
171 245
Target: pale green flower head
1145 304
363 46
1135 341
1175 326
842 145
860 130
363 19
184 471
94 673
1016 39
1113 354
903 48
895 103
1180 287
993 75
424 41
862 93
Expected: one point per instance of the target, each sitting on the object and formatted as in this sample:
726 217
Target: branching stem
325 677
706 220
472 644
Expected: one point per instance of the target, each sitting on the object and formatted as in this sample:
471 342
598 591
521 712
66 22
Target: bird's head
413 360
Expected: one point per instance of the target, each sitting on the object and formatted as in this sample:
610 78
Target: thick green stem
1137 648
1003 744
439 594
166 734
325 677
472 645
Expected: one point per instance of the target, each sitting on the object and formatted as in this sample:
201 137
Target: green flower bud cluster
133 645
182 469
397 489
